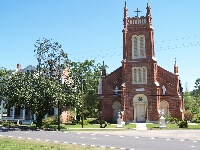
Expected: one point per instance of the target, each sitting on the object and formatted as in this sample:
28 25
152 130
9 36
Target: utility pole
82 101
58 98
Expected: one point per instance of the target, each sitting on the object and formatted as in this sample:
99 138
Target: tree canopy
86 74
42 89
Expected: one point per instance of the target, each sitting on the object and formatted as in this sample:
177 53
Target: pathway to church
167 134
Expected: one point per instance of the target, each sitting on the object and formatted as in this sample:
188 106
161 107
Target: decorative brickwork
143 100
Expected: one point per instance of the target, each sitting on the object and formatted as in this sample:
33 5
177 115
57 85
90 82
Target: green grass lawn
128 126
21 144
113 127
169 126
172 126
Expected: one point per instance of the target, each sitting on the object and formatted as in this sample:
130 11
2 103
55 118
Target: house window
138 46
17 111
51 112
139 75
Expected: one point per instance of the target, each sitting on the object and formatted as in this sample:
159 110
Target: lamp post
82 101
61 81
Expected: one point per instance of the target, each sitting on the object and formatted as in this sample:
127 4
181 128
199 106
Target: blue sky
92 29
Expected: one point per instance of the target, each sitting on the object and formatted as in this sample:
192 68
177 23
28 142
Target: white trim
140 89
157 84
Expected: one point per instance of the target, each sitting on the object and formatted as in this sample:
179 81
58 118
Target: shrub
183 124
196 119
8 124
103 123
74 122
32 127
167 117
188 115
171 120
47 122
85 122
176 120
95 121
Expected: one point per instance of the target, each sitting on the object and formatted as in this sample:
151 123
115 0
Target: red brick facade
157 89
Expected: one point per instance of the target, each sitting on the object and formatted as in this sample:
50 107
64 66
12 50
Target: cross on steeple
137 11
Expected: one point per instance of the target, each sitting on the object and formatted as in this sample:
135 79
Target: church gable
168 79
111 81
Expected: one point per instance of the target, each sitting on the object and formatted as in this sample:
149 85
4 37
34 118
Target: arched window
142 45
138 46
134 71
135 47
144 74
139 75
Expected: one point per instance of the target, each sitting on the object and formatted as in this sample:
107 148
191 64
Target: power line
110 55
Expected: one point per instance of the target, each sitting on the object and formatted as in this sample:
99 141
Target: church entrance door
140 107
141 112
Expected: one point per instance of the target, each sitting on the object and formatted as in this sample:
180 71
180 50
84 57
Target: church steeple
103 70
148 14
175 68
125 20
125 15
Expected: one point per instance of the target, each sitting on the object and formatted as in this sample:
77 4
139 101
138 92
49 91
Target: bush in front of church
103 123
183 124
188 115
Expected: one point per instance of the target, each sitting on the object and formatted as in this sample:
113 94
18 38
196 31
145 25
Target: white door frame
140 99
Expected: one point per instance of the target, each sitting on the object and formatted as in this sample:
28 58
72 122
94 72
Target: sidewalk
169 134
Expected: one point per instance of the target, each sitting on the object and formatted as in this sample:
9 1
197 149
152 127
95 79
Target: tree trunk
39 118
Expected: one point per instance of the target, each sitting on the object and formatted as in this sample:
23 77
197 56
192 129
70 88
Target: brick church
140 88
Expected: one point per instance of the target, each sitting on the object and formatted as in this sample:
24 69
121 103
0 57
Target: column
55 111
30 115
134 120
74 113
1 115
45 117
23 114
147 112
13 112
34 116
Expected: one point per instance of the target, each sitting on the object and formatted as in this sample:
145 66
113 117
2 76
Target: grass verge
22 144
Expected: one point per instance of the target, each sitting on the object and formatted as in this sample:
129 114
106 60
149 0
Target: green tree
86 74
41 90
51 61
188 115
4 74
196 93
189 102
36 93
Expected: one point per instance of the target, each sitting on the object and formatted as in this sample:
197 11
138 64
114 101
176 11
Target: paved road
115 140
